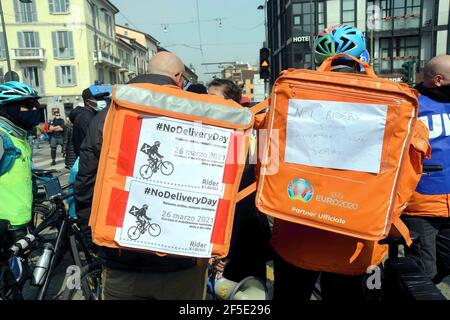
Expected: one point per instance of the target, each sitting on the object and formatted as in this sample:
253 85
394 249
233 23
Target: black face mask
29 119
441 94
24 119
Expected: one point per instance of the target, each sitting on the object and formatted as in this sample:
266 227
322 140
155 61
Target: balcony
28 54
383 65
124 66
107 59
409 21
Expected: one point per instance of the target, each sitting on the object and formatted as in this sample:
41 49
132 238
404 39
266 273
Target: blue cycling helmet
100 91
13 91
339 39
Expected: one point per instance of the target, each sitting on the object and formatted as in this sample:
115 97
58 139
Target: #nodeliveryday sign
176 188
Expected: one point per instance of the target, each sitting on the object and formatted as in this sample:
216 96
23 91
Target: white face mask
101 104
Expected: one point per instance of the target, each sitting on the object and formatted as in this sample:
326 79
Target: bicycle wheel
154 229
90 286
134 233
166 168
146 171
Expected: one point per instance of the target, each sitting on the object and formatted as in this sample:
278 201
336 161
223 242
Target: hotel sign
301 39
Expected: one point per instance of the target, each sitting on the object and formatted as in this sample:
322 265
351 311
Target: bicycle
41 207
146 171
69 236
135 232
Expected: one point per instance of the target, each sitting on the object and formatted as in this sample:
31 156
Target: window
304 19
307 61
63 44
28 39
385 56
303 14
94 14
25 12
101 76
406 47
59 6
2 47
32 76
121 55
109 26
112 77
406 14
66 76
348 15
321 21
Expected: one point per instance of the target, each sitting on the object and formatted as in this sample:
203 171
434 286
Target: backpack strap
402 229
10 153
257 108
246 192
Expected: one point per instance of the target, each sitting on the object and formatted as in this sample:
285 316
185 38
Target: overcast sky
230 30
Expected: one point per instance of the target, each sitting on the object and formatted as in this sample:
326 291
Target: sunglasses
30 104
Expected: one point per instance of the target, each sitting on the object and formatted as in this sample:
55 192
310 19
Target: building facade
243 74
396 31
61 47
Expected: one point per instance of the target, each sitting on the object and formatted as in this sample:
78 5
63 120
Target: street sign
11 76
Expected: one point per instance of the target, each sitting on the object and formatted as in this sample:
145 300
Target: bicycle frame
68 234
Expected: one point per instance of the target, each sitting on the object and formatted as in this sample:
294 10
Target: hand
218 264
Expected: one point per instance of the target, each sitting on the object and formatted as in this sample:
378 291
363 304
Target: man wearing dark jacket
84 117
131 274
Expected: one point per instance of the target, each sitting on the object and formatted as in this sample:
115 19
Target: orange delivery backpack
343 152
169 171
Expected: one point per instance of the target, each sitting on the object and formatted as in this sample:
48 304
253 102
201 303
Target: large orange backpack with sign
169 171
343 152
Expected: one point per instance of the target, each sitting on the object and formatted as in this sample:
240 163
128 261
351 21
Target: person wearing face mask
95 99
428 212
56 127
18 115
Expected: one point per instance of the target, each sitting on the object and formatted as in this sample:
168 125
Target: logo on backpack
300 189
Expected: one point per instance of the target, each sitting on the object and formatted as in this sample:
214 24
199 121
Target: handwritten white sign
335 135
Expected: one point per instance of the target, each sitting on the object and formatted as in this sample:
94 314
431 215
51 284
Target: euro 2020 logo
300 189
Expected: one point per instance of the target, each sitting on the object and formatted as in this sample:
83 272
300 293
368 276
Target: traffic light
409 72
264 64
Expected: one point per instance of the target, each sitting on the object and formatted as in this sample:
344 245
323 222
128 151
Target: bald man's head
437 72
167 64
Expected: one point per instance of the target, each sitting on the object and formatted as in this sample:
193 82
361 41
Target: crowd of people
301 254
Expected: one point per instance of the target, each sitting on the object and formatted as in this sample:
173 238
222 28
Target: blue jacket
436 115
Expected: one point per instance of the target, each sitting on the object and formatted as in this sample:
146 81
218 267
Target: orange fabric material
319 250
422 205
110 181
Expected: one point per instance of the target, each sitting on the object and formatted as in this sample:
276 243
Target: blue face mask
101 104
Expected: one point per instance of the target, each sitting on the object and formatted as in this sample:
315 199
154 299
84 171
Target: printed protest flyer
176 187
181 154
168 220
